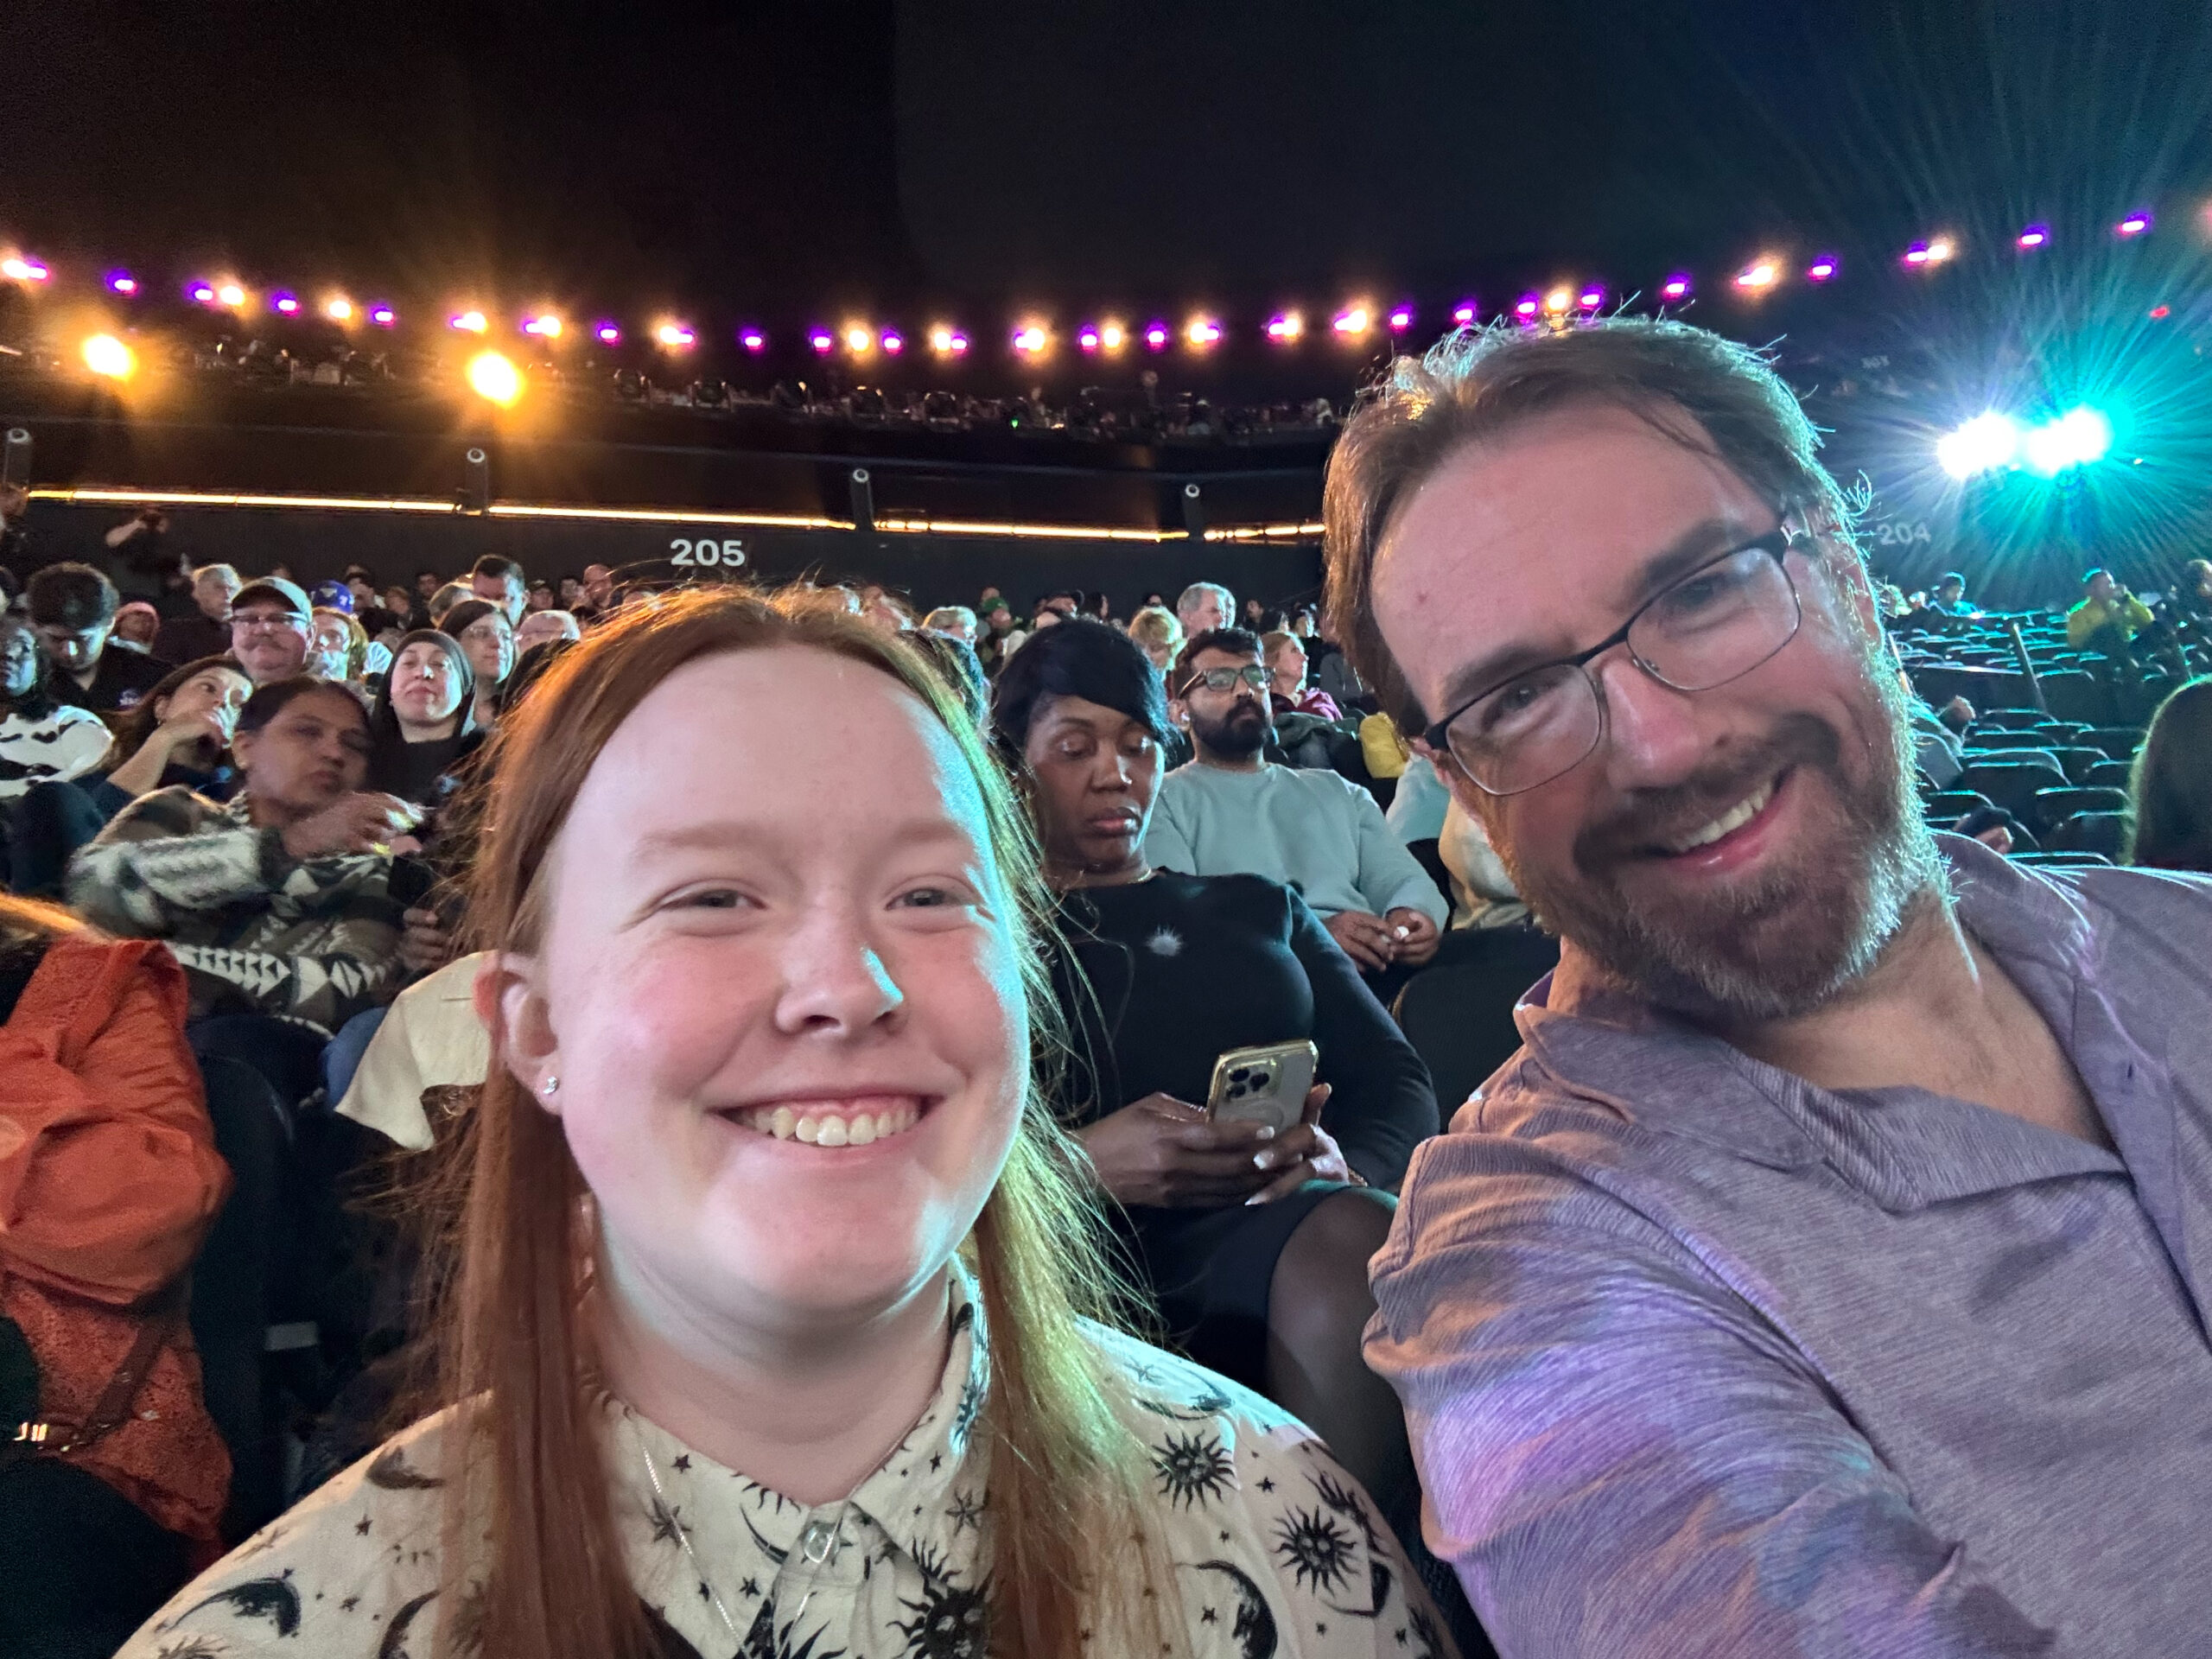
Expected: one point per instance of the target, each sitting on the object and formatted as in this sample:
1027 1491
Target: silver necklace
816 1548
684 1537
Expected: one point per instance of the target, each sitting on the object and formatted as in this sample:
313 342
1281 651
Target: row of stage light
1035 337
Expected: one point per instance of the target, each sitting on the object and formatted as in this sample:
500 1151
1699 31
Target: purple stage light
822 341
1156 336
607 334
2034 237
202 293
1822 269
1087 340
891 341
287 303
122 281
382 316
1401 319
1527 306
1592 297
1676 287
753 340
1466 312
2134 225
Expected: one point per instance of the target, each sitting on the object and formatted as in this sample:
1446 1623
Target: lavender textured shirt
1700 1359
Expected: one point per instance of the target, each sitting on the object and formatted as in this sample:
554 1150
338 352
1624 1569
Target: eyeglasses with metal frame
1223 679
1715 624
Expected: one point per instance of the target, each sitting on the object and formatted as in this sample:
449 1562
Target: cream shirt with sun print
1278 1553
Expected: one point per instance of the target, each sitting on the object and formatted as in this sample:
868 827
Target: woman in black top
1255 1246
423 725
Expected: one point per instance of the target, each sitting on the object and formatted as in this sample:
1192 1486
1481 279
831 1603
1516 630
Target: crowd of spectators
425 886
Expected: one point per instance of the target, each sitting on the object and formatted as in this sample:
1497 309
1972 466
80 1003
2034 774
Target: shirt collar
1905 1148
930 1487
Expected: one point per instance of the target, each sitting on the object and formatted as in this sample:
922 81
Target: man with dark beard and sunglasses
1829 1273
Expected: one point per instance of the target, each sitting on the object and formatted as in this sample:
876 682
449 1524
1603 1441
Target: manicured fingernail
1257 1198
1266 1132
1263 1161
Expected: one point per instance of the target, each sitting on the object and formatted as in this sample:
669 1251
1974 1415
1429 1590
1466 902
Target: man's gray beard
1792 942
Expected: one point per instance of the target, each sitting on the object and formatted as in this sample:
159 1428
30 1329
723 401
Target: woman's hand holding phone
1305 1152
1164 1152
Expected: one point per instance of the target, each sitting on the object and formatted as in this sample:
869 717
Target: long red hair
506 1279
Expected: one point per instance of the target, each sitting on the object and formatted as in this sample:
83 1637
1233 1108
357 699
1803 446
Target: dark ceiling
780 161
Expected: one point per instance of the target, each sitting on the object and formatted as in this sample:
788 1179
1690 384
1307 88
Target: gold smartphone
1266 1084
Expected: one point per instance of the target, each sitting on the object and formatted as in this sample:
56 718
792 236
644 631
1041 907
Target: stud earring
550 1087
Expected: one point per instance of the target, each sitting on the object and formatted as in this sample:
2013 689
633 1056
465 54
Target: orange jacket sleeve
109 1176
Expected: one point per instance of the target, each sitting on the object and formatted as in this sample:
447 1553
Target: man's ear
1179 712
510 1002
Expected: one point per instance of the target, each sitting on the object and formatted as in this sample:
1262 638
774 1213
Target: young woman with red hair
770 1322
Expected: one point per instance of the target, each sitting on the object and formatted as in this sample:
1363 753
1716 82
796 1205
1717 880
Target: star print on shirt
966 1510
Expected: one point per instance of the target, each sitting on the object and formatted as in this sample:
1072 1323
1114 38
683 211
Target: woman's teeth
1734 819
830 1128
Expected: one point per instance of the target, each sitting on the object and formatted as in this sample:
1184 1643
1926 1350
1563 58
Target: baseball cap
287 594
333 595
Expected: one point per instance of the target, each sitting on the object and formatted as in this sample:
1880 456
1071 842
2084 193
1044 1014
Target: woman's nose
834 980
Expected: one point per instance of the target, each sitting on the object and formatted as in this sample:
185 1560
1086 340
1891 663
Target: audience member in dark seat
2171 793
179 733
1950 599
204 631
40 740
276 902
424 724
1256 1248
767 1273
110 1493
2108 619
272 624
1284 654
1231 811
136 625
73 606
2191 600
544 628
489 638
338 648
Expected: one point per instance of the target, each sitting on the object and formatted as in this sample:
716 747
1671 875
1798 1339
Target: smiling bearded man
1827 1273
